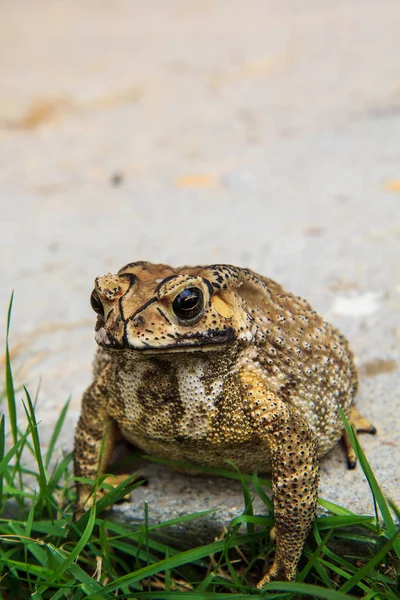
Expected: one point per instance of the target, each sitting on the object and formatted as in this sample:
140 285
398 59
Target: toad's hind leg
293 448
361 425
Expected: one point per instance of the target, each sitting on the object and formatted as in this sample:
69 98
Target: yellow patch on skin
221 307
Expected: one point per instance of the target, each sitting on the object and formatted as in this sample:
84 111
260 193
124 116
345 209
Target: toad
209 363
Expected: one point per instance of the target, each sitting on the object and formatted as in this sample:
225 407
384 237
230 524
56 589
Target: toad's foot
361 425
87 497
280 570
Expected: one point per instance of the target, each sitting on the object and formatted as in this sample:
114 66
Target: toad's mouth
209 340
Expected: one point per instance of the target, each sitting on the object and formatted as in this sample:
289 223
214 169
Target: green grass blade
117 493
2 450
335 509
28 530
347 570
315 559
36 570
30 414
306 589
29 521
189 595
146 538
370 565
373 484
168 578
208 470
104 545
69 559
261 494
42 478
59 472
56 596
178 560
182 519
225 596
253 520
33 546
248 504
12 412
132 550
395 508
6 460
56 432
89 585
343 521
126 532
40 527
342 572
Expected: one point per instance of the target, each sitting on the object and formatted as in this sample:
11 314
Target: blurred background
261 133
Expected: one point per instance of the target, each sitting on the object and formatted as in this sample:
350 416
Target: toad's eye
96 304
188 304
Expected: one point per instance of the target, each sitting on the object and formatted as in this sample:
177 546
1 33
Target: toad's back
306 361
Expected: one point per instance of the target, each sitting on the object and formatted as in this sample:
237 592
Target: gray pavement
262 133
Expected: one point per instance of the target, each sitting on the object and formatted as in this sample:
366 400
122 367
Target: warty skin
211 363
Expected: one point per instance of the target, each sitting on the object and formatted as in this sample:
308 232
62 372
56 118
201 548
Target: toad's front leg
293 449
96 433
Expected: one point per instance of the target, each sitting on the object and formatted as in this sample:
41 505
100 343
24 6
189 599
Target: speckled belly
247 456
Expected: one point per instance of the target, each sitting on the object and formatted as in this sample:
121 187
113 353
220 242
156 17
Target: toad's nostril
138 321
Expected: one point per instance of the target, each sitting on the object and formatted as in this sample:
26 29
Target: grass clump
47 553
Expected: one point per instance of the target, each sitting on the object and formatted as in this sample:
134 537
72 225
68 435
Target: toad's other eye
188 304
96 304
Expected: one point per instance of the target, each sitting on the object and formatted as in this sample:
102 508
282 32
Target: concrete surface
264 134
